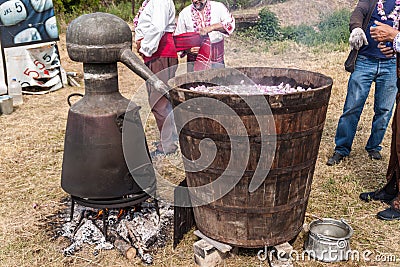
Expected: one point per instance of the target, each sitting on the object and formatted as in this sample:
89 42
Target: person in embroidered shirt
200 33
371 65
389 193
154 26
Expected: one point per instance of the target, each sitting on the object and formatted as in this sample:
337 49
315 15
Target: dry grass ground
32 140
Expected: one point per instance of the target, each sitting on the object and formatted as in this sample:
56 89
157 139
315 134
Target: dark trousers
163 68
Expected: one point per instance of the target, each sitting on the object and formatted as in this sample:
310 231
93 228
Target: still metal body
94 170
94 165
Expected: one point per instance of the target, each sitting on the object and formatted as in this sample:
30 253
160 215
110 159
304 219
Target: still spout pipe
129 59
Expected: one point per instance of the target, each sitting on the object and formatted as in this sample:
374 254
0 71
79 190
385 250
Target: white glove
357 39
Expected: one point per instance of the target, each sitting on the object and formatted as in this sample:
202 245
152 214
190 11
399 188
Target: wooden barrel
274 212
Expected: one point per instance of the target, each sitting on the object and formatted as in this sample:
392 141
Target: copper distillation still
94 171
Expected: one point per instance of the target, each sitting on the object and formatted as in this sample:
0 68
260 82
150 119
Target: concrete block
206 255
283 250
278 263
282 255
218 245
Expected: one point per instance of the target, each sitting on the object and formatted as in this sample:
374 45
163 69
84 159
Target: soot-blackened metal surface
94 166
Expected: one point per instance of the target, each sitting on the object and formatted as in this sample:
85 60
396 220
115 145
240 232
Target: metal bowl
329 240
6 104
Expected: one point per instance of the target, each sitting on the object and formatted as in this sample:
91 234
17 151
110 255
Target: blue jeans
367 70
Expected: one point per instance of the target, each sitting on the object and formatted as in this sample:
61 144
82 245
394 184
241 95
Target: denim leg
358 89
385 96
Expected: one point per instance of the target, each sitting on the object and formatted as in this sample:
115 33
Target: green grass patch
332 31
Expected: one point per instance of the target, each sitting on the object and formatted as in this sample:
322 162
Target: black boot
377 195
389 214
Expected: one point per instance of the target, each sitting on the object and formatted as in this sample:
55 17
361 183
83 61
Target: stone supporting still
206 255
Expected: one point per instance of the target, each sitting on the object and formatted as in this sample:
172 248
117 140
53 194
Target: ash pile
142 228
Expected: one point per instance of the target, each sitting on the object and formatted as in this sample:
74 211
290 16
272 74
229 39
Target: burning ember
139 227
250 89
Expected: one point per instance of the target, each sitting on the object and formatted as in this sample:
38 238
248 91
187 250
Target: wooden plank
183 217
244 21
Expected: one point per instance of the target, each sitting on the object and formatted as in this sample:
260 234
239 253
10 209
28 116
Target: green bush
335 28
122 10
239 4
75 6
67 10
304 34
332 29
337 19
181 4
268 27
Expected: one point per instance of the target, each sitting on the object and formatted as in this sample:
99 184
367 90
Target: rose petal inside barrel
256 89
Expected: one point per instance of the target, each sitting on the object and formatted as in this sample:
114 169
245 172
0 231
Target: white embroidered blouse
191 20
396 43
157 18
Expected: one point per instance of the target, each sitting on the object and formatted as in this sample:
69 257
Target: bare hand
383 32
387 51
205 30
138 45
195 50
